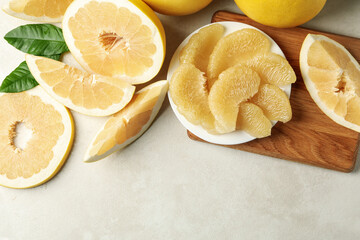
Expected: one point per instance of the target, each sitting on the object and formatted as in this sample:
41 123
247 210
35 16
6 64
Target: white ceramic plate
235 137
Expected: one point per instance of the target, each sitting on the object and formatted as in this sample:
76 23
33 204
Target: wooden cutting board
310 137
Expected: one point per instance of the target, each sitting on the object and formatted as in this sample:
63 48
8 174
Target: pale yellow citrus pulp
51 135
332 77
83 92
130 123
117 38
37 10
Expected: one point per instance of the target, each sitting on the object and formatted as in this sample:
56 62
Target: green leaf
21 79
38 39
18 80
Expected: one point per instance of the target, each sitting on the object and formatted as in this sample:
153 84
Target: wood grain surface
310 137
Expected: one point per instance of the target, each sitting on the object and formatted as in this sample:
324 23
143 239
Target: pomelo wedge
130 123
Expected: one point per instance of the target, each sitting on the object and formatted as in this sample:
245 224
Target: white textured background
165 186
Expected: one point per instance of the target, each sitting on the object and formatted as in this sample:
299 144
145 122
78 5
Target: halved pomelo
117 38
235 48
80 91
127 125
274 102
332 77
199 47
51 131
37 10
234 86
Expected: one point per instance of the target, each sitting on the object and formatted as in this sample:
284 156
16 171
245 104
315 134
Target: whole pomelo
177 7
281 13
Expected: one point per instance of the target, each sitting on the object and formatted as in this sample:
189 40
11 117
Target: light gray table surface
166 186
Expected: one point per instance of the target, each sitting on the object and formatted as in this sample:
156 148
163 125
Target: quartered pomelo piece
197 51
37 10
234 86
252 120
234 48
36 135
274 102
116 38
272 68
332 76
80 91
127 125
189 93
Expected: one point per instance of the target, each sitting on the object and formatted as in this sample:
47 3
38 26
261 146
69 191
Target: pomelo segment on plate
130 123
274 102
50 132
234 86
235 48
332 77
252 120
80 91
189 92
272 68
37 10
117 38
197 51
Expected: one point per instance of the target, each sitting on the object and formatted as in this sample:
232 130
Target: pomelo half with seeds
117 38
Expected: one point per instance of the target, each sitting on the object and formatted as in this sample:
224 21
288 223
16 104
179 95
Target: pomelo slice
117 38
274 102
272 68
130 123
252 120
189 93
234 48
332 77
37 10
234 86
197 51
80 91
50 135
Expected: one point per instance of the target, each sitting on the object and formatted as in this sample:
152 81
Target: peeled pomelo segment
127 125
83 92
38 10
49 137
199 47
274 103
252 120
272 68
123 39
189 93
234 48
234 86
